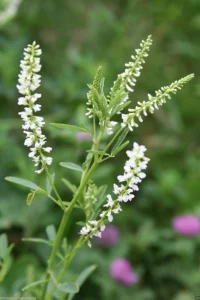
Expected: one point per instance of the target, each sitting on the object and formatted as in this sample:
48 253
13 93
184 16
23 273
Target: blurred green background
76 37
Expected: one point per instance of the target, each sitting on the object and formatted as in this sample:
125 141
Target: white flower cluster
133 175
132 71
92 228
29 81
11 7
110 126
153 103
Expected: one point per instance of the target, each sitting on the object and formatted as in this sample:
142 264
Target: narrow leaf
36 240
68 287
120 139
23 182
120 148
84 275
72 187
51 232
48 184
119 108
72 128
71 166
82 278
3 245
98 152
101 196
102 84
34 284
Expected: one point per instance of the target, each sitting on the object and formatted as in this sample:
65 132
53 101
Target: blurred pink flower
109 236
121 271
188 225
83 136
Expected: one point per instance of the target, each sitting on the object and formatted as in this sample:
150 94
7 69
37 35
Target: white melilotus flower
128 78
153 103
124 191
29 81
133 68
109 128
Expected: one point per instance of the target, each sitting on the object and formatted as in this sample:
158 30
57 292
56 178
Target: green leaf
30 197
72 128
68 287
3 245
71 166
119 108
34 284
102 84
51 232
48 184
98 152
23 182
101 197
41 191
120 148
80 223
6 265
36 240
71 186
120 139
82 278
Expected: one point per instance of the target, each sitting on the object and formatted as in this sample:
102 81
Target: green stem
84 180
111 141
63 224
54 188
66 265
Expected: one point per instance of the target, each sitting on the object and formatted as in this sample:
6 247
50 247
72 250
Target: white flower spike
133 174
29 81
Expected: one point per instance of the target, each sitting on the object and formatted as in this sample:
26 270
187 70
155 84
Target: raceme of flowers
132 71
118 96
117 100
154 102
29 81
128 183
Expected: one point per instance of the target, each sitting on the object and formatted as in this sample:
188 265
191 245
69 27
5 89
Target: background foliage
76 37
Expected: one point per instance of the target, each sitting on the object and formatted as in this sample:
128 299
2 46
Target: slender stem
54 200
84 180
54 188
63 224
79 244
111 141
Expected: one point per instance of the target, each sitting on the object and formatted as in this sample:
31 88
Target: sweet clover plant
98 209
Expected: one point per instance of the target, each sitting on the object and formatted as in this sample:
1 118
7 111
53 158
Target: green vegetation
77 37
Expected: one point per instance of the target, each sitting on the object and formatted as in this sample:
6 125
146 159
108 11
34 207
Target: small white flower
110 126
110 201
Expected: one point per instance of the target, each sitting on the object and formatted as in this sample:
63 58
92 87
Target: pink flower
83 136
121 271
188 225
109 236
